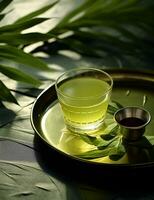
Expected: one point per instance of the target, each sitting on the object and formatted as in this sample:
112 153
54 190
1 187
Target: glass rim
84 69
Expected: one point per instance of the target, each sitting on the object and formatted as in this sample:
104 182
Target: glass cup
84 95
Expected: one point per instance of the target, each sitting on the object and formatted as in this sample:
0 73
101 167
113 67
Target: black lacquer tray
131 88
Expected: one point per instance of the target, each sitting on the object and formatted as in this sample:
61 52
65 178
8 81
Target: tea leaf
118 105
107 143
111 109
118 151
111 134
96 153
90 139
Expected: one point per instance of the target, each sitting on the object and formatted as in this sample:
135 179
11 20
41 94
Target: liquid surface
84 87
87 108
132 122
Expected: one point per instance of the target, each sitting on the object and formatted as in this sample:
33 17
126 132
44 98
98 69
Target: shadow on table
123 177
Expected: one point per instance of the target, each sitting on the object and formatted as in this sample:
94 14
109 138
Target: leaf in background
73 14
17 55
5 94
21 180
21 26
18 75
36 13
4 4
24 39
2 16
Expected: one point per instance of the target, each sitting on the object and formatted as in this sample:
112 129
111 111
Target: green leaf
118 151
24 39
96 153
113 107
17 55
4 4
17 27
36 13
104 144
2 16
111 134
89 139
72 14
5 94
18 75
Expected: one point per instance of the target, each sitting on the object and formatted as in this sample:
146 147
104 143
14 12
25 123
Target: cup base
85 128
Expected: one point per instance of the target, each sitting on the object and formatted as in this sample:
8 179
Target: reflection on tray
105 146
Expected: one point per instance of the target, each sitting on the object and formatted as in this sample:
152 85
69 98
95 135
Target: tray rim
129 74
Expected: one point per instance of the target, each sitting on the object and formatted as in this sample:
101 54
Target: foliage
119 29
12 43
116 28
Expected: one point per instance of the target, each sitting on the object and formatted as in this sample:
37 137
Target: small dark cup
132 122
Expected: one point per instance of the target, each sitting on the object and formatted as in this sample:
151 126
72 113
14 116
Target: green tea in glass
84 96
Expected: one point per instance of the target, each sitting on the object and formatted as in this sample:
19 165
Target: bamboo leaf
73 13
4 4
36 13
17 55
18 75
24 39
17 27
5 94
2 16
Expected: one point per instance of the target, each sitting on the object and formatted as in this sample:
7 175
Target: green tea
84 101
